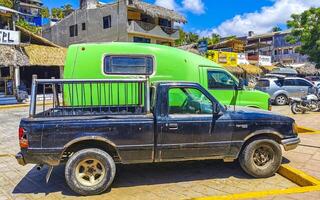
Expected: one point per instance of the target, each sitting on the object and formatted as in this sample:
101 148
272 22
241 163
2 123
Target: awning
268 68
45 56
158 11
234 70
5 9
12 56
251 69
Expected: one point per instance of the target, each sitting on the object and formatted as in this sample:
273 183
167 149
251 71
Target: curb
302 129
24 105
13 106
306 182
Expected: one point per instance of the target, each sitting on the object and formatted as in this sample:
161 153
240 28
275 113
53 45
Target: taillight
23 141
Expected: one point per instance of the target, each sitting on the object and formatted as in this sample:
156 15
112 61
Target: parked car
281 89
169 121
160 63
314 79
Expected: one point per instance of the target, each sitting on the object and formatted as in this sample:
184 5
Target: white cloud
263 20
193 6
170 4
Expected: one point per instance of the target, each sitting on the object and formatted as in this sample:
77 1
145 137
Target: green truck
158 63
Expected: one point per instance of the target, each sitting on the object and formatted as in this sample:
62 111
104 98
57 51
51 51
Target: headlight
295 128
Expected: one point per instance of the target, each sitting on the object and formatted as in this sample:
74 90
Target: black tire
281 100
295 109
104 162
250 165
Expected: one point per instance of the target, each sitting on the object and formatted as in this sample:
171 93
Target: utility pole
118 13
16 68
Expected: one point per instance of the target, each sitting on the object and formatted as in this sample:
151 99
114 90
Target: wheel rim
281 100
263 156
90 172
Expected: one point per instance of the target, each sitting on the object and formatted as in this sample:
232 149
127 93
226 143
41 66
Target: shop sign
242 60
8 37
222 58
203 46
265 60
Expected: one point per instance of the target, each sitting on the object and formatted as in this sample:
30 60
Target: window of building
220 80
164 22
83 26
147 18
107 22
73 30
141 40
188 101
131 65
286 51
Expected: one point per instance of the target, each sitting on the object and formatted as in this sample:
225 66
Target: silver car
281 89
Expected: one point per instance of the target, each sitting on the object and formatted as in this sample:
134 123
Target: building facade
273 46
124 20
285 52
31 11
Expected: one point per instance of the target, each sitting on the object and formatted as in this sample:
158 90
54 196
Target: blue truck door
189 129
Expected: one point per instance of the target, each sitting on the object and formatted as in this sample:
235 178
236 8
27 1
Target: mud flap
49 173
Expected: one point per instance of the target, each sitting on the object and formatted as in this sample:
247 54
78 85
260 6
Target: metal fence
89 97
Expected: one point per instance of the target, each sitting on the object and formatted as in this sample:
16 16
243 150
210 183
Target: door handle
172 126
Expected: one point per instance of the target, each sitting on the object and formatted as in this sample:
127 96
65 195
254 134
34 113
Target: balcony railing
153 29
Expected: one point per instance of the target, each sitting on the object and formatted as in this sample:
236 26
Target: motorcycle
311 102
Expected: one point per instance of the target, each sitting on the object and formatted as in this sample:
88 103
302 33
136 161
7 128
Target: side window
220 80
128 65
303 83
289 82
188 101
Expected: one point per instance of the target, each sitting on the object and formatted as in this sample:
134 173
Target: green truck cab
160 63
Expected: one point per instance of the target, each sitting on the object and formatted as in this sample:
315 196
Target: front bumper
291 143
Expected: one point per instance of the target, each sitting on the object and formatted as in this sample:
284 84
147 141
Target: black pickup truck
176 121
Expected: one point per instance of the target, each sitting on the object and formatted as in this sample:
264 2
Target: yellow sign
229 59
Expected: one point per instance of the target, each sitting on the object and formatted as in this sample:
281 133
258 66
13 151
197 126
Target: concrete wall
93 18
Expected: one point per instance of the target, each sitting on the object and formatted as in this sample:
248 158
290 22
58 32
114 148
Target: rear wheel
281 100
90 171
261 158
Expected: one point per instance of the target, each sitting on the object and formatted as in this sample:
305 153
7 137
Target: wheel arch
262 134
92 142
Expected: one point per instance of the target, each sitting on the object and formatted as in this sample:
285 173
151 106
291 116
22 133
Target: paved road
147 181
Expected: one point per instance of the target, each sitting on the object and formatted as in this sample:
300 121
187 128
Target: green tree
305 27
215 38
276 29
57 13
44 12
6 3
192 38
182 38
24 24
67 9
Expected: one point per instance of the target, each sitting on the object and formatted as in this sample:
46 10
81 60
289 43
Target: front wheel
295 108
261 158
90 171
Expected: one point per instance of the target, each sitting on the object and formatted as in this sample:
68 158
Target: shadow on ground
136 175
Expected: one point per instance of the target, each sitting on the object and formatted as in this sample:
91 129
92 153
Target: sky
226 17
